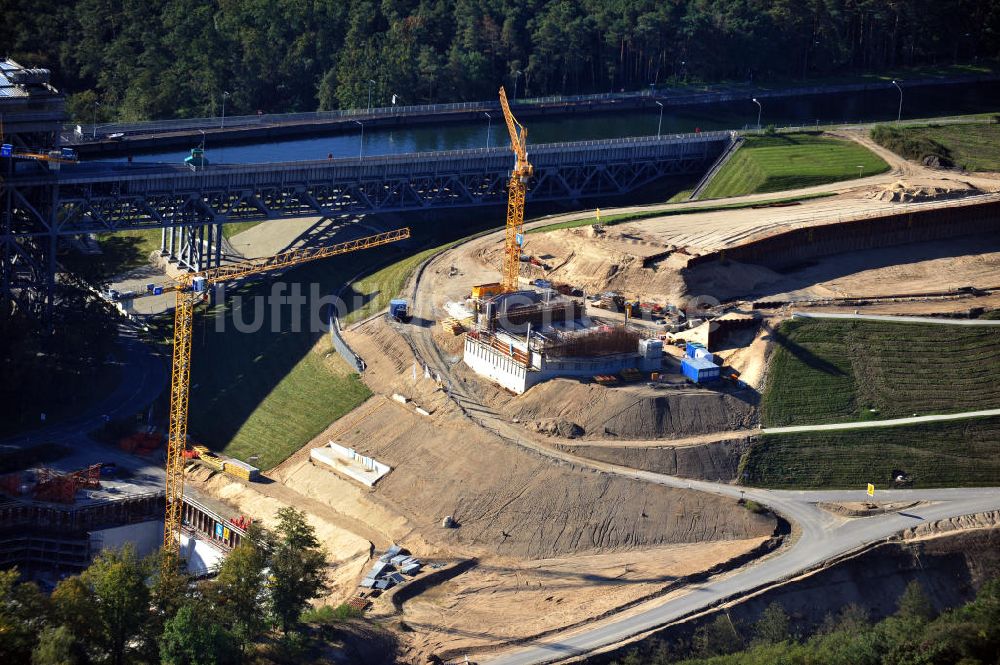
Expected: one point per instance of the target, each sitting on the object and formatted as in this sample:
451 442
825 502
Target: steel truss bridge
42 205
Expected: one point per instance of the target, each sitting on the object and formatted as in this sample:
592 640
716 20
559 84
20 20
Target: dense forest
914 635
143 59
128 610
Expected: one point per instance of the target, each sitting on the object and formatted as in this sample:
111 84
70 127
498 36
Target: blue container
397 308
690 347
700 370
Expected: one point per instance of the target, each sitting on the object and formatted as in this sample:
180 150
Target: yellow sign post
598 215
871 490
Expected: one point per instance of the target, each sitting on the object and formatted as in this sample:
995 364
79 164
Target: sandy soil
347 552
508 501
548 594
634 412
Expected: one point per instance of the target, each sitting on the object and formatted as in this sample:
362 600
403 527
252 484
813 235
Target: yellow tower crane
189 288
517 189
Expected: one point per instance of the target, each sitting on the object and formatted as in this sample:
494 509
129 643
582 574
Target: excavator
517 188
189 289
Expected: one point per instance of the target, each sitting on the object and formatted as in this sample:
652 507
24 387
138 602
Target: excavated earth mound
508 500
628 413
717 461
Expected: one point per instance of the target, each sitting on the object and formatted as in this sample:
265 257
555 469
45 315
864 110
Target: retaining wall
787 249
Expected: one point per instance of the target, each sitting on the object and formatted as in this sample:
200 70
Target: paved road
822 537
144 376
897 319
868 424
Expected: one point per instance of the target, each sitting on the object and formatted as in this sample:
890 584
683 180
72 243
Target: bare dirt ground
538 596
508 501
347 552
633 412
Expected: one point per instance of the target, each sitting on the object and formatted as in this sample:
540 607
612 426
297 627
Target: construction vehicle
189 289
399 310
516 191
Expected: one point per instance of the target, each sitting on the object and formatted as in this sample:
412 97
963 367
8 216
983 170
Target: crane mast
189 288
516 191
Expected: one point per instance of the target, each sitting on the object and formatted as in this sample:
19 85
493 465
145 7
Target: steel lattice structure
191 206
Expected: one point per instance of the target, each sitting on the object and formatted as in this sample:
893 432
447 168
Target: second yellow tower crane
517 189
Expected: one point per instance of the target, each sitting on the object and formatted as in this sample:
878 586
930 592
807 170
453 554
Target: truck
398 310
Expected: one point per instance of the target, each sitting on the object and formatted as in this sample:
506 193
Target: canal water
867 106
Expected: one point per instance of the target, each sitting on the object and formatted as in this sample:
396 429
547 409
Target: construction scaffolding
603 341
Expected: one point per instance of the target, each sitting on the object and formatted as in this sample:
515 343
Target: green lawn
611 220
973 147
271 389
945 454
825 371
263 384
318 390
791 161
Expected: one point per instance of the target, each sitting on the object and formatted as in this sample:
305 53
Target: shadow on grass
804 355
254 381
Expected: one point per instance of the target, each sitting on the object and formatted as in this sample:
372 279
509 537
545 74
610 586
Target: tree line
128 60
914 635
125 609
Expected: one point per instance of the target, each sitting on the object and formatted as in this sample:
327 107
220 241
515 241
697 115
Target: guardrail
667 95
99 169
269 119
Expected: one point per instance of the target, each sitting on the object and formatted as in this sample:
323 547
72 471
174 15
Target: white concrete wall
349 462
202 556
496 367
146 537
501 369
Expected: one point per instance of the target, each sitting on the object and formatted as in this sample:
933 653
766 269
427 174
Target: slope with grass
959 453
826 371
376 290
264 377
972 147
773 163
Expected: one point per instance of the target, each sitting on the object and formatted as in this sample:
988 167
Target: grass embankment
377 289
973 147
264 377
826 371
266 390
791 161
611 220
960 453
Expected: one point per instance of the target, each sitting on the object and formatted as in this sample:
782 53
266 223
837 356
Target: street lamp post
361 148
370 84
224 95
760 109
899 113
489 124
97 105
517 75
659 125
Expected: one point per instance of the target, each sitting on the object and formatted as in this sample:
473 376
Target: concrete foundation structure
509 362
350 463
